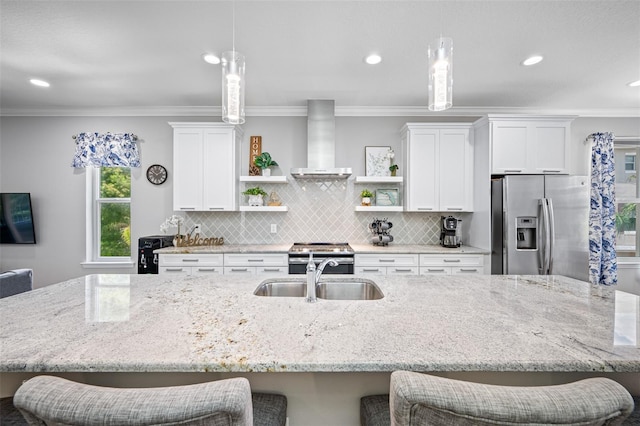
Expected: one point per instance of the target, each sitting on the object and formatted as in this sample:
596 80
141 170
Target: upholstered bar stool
54 400
421 399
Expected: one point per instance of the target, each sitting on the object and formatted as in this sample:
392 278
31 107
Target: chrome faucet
313 275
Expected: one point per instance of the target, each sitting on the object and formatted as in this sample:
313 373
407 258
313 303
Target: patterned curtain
603 265
106 150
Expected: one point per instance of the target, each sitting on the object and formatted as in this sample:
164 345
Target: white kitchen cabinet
256 263
386 264
438 167
205 166
529 144
440 264
191 264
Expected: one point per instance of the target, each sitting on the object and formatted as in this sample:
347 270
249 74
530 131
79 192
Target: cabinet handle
551 171
239 269
435 270
513 171
454 208
215 208
255 260
191 260
468 270
370 270
186 208
206 269
173 269
271 269
402 270
386 260
451 260
425 208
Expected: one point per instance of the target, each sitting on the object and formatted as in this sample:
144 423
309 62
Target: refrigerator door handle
541 236
552 234
546 235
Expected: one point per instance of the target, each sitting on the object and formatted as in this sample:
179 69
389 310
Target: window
627 202
109 216
630 163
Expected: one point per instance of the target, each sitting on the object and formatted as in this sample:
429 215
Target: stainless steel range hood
321 144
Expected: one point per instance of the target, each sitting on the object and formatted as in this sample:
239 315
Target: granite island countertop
358 248
153 323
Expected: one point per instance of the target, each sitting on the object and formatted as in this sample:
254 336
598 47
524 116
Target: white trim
108 265
290 111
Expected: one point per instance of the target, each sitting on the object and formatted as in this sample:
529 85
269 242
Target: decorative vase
266 172
256 200
393 172
366 201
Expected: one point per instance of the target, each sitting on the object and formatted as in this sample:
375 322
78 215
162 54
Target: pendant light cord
233 26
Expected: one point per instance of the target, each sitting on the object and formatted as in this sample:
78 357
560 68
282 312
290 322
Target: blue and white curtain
603 265
106 150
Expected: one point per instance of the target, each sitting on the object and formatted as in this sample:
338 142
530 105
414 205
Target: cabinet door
455 177
219 187
509 147
423 168
187 169
550 148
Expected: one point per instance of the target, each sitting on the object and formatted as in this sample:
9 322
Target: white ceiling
145 57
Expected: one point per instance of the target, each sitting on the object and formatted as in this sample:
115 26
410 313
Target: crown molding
301 111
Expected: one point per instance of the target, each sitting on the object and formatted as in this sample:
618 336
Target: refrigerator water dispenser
526 233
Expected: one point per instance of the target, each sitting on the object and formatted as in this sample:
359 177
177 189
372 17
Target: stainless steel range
341 252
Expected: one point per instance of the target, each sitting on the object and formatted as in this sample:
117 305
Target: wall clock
157 174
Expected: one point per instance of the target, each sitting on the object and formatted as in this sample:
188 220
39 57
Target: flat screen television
16 218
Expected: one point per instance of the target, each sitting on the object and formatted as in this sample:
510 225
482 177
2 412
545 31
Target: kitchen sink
330 289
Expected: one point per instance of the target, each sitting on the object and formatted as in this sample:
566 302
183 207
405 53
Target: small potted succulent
264 161
255 196
393 168
366 197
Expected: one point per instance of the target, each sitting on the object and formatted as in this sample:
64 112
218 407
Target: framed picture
377 161
387 197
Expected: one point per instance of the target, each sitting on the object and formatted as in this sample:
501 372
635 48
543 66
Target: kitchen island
108 329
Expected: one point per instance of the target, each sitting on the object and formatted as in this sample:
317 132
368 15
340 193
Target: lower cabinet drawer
434 270
371 270
174 270
189 260
255 259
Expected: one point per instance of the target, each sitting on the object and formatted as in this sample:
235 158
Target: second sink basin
333 289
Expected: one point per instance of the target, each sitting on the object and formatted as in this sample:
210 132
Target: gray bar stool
421 399
54 400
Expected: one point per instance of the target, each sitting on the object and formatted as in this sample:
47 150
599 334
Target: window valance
106 150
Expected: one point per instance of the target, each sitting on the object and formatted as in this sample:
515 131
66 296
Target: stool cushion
269 409
374 410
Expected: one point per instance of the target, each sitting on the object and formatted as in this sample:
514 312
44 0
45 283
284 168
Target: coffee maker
450 231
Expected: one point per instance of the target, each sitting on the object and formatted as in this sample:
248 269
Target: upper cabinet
529 144
438 167
205 166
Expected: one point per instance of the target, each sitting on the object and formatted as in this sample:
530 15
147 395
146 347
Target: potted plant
264 161
255 196
366 197
393 168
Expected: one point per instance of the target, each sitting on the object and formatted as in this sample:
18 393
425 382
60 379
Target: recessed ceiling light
532 60
634 83
210 58
40 83
373 59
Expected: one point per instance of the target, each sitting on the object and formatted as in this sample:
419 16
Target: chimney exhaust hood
321 144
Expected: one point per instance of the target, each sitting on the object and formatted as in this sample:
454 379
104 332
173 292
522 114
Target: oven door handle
302 261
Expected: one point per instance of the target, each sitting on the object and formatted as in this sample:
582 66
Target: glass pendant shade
441 74
233 87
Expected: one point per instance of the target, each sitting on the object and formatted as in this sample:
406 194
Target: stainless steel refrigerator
540 225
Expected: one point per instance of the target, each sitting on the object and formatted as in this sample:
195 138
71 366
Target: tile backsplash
318 211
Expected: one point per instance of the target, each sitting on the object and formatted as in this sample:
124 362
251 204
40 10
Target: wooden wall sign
255 149
197 240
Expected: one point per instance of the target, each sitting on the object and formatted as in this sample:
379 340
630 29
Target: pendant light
441 74
233 81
